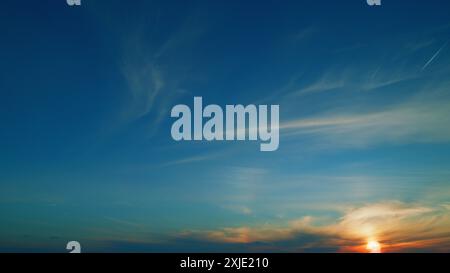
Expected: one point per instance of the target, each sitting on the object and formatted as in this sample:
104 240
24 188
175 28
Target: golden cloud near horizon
379 227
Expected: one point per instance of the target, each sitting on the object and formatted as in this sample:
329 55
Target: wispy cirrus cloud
422 118
151 69
327 82
192 159
371 78
146 82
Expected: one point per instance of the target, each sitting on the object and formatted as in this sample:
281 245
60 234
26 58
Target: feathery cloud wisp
420 119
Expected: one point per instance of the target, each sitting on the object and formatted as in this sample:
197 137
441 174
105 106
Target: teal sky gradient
87 155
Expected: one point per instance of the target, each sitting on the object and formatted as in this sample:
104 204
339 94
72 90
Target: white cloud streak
424 118
434 57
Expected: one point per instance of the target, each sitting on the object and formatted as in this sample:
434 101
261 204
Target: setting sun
373 247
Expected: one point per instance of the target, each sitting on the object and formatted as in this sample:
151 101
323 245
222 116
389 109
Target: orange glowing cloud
379 227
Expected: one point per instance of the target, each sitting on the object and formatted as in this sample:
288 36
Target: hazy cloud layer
396 226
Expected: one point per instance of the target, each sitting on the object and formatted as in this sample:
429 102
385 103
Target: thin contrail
434 56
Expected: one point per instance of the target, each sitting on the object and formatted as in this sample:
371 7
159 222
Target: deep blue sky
86 151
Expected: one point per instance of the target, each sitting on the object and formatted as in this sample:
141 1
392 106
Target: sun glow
373 246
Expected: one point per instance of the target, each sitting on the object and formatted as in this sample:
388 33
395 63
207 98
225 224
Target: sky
87 155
